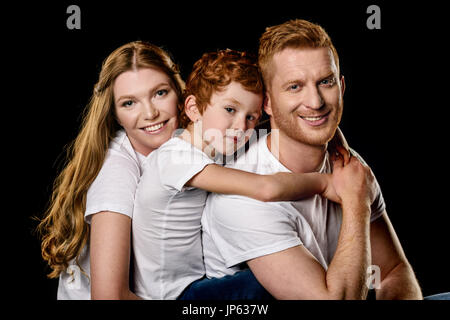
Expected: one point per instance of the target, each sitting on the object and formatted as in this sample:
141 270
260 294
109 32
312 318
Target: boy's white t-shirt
166 226
112 190
237 229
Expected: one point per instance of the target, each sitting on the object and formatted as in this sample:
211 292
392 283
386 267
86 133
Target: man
314 248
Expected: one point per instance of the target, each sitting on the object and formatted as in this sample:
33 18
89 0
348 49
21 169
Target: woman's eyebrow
152 89
159 85
128 96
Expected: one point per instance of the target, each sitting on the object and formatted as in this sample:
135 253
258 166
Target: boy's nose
240 124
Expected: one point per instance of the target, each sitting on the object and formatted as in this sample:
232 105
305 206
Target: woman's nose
150 111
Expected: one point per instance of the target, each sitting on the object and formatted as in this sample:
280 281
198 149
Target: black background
394 115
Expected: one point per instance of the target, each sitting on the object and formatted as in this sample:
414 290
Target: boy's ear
190 106
267 105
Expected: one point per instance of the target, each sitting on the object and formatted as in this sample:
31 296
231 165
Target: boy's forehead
232 91
235 94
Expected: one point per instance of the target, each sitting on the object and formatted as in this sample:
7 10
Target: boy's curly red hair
214 71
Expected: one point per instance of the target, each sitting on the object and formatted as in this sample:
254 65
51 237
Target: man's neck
294 155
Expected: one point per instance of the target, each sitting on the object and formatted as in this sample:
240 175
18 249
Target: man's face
304 97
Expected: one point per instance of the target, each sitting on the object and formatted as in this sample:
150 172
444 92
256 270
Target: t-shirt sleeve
244 228
179 163
114 187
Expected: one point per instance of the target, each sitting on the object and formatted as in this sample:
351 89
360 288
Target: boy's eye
230 109
127 103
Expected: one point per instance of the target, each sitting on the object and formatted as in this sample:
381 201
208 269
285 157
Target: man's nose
312 98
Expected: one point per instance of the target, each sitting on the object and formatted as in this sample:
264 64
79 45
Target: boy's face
230 113
305 95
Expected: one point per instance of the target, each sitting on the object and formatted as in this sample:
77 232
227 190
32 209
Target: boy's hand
330 192
353 182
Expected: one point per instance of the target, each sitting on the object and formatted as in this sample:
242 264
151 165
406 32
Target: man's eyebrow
291 81
329 74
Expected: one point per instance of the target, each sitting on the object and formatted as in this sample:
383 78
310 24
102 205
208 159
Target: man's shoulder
357 155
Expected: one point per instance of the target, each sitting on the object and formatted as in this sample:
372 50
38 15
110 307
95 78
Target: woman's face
146 107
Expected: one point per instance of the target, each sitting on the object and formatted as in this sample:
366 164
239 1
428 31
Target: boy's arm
281 186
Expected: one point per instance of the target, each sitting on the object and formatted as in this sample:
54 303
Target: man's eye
328 82
128 103
294 87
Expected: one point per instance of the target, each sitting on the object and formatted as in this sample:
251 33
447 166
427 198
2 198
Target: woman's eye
162 92
251 118
229 109
128 103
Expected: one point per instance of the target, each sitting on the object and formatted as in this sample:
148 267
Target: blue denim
243 286
240 286
439 296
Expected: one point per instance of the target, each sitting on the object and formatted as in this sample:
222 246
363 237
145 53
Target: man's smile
315 120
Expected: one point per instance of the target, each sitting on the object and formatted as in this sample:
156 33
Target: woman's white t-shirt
112 190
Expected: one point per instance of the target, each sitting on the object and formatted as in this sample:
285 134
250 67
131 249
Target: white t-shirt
112 190
166 226
237 229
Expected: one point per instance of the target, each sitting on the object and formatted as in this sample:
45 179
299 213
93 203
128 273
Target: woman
92 201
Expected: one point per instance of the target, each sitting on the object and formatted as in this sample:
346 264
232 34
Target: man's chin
314 139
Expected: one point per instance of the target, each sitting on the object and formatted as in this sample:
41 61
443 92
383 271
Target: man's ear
342 85
192 111
267 104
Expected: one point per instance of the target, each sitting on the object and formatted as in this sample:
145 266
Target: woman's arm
110 256
281 186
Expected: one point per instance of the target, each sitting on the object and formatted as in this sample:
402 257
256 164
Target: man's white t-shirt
237 229
112 190
166 226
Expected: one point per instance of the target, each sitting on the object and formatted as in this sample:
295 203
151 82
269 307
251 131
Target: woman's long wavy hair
62 230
